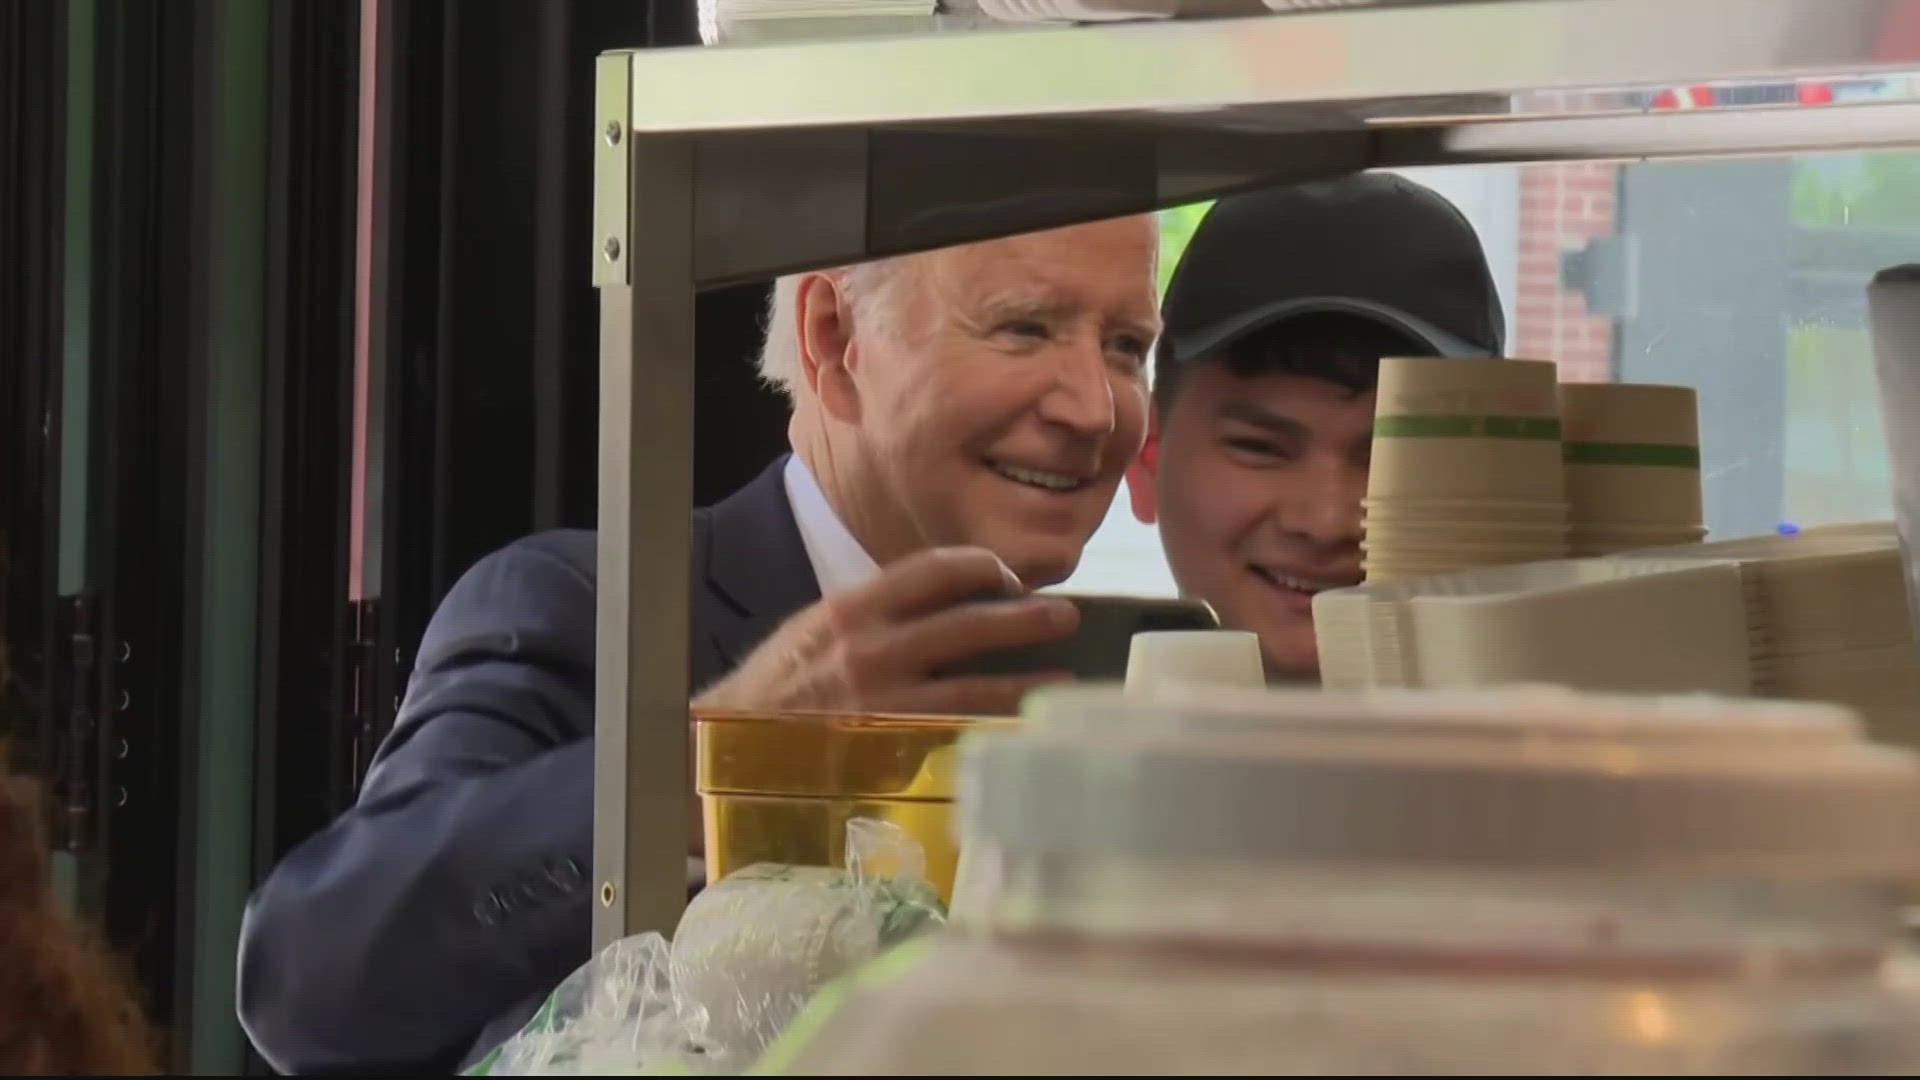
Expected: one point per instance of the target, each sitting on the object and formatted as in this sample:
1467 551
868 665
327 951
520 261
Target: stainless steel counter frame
732 164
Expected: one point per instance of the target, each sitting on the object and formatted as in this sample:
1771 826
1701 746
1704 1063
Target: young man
1275 322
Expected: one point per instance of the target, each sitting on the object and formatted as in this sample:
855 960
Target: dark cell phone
1098 649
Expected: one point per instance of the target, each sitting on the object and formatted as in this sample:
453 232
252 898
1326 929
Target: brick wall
1561 208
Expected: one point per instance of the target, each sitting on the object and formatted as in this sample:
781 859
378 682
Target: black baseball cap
1373 245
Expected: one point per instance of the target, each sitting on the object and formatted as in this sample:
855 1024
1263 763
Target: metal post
644 265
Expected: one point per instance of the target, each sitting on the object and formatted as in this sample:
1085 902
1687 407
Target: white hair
870 287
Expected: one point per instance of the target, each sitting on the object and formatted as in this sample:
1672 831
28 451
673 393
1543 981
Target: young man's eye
1265 449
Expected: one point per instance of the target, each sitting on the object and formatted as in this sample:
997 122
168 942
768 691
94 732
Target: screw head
613 133
612 249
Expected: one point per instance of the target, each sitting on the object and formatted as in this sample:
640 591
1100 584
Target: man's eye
1261 448
1027 328
1134 347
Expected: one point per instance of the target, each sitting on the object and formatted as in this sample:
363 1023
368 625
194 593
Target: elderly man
961 421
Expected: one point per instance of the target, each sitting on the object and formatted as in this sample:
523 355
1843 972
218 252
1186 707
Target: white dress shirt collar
839 562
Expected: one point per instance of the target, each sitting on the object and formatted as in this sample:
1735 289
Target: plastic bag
616 1016
749 953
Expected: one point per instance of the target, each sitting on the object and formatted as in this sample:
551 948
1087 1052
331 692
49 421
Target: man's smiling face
1255 472
1259 488
1006 405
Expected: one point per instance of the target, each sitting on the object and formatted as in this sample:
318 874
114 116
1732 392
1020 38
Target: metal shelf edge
1197 67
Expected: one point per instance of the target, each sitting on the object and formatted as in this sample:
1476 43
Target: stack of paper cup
1633 466
1467 468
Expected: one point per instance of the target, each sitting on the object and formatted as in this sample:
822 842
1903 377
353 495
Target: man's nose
1328 507
1081 397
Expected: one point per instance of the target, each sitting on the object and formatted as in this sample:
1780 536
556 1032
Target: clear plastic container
1427 884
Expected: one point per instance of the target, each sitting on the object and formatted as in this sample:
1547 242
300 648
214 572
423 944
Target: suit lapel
757 565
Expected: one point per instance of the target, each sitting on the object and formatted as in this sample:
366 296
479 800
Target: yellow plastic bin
780 788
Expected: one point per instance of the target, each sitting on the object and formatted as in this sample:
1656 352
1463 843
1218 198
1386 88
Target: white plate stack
743 22
1642 625
1821 615
1094 11
739 22
1365 637
1467 468
1632 455
1071 11
1828 620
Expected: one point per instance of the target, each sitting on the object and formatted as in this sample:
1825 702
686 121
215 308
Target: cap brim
1197 343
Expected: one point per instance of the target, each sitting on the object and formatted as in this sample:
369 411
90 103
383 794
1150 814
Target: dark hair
67 1007
1342 349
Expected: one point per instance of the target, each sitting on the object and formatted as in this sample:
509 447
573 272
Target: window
1743 279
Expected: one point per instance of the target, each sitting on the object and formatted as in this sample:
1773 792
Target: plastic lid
1534 779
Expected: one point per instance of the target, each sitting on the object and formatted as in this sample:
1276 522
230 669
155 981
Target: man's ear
1144 474
825 313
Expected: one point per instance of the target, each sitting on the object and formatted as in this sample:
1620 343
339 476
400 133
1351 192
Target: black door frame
484 338
33 109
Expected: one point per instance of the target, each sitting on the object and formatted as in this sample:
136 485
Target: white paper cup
1164 658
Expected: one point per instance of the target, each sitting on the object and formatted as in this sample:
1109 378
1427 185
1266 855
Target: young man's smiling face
1255 473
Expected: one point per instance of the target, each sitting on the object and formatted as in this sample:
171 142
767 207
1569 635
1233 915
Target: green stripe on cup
1649 454
1466 427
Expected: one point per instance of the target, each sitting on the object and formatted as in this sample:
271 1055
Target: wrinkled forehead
1106 266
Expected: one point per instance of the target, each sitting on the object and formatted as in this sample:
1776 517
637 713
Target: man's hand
878 648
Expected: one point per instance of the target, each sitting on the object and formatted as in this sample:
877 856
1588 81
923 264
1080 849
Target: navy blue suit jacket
425 925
